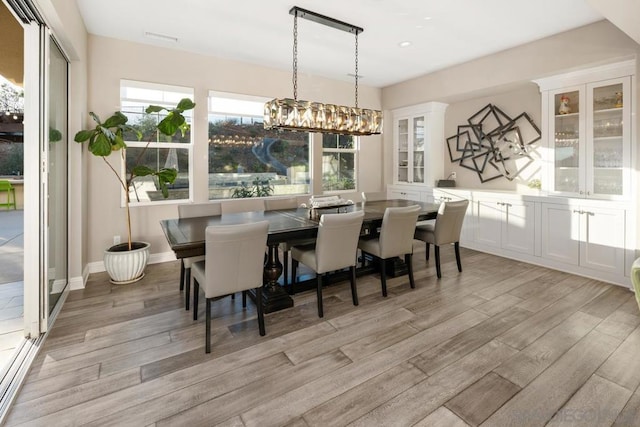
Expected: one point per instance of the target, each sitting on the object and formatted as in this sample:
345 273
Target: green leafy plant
535 183
259 188
107 138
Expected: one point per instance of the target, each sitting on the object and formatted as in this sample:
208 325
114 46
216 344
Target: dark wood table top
186 236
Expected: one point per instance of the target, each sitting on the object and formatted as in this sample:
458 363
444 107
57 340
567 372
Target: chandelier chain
295 57
356 69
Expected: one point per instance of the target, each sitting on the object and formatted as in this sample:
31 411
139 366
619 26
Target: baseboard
78 282
98 266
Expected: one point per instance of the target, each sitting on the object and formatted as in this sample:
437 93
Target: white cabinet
587 116
419 143
586 236
401 193
506 224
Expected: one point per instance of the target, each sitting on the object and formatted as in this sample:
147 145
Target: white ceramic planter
126 266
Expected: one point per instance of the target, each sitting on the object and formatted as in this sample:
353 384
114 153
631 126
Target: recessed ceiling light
427 18
162 37
405 43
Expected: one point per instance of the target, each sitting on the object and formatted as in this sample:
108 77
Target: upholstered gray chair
233 263
274 204
336 247
242 205
192 210
395 239
445 230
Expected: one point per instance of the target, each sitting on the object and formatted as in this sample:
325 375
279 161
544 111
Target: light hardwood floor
503 343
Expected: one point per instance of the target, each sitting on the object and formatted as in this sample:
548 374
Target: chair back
398 228
449 222
337 241
274 204
192 210
5 185
234 257
242 205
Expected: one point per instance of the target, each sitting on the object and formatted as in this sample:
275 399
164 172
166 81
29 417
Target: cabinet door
608 134
561 233
417 137
488 222
518 227
602 239
402 147
566 127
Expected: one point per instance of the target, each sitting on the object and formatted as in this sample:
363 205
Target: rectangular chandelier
297 115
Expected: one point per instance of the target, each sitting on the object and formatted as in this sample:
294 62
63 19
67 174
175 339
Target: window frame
356 157
165 89
233 113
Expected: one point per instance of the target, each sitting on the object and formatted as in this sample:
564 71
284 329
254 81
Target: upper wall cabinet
587 123
419 143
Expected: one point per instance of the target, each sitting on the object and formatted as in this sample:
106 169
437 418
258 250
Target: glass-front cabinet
418 137
589 127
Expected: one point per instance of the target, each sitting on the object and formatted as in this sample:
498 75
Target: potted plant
125 262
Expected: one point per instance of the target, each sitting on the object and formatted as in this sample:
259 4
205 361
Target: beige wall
111 60
505 80
517 101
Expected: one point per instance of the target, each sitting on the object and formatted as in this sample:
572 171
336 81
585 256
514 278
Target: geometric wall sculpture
491 143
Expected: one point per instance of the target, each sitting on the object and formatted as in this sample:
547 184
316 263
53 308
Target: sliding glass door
57 172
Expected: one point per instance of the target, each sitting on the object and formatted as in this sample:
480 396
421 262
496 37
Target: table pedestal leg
274 297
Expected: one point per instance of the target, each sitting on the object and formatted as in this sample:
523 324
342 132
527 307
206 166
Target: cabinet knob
581 192
588 193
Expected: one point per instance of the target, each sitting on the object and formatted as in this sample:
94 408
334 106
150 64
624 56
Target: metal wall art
493 144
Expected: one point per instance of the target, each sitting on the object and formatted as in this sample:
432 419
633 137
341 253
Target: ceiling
442 33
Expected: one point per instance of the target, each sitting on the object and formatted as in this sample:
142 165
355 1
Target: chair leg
187 289
319 294
182 275
383 276
427 247
244 299
408 259
437 252
260 311
354 290
207 333
456 245
364 257
196 294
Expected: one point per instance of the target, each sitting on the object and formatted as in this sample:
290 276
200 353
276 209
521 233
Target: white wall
505 79
111 60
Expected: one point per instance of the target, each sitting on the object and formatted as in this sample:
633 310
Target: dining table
186 236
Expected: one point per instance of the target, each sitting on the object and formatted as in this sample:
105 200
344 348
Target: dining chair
445 230
242 205
395 239
335 248
273 204
6 187
192 210
233 263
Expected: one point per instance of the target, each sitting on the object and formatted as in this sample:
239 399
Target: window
245 160
162 151
338 162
